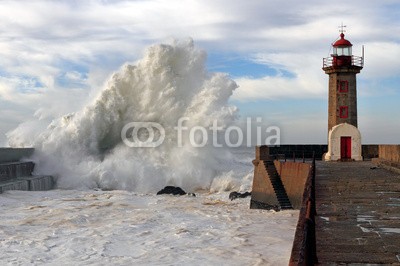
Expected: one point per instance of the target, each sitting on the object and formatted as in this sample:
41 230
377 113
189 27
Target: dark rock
171 190
234 195
191 195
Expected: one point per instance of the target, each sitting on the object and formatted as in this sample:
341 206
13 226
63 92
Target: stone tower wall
339 99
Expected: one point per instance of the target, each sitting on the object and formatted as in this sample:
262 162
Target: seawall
276 182
390 153
389 157
16 171
15 154
369 151
294 176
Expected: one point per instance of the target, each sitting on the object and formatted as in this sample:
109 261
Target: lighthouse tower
344 138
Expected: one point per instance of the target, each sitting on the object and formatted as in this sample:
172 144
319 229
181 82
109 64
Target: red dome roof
342 41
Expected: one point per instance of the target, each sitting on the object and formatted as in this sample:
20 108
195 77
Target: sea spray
85 149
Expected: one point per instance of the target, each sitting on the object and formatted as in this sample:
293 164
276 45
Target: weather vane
342 28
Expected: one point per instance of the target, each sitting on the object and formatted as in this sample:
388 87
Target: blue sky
55 55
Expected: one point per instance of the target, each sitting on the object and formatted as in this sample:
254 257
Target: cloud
382 59
22 101
306 81
53 51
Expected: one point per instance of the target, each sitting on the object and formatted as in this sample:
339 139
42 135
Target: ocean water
105 211
119 227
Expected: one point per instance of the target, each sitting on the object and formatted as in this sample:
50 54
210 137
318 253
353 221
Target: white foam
390 230
69 227
84 149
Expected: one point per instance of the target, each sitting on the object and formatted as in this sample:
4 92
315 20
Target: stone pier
358 214
16 173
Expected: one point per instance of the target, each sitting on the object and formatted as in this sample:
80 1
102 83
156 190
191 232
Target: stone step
13 170
281 195
277 185
283 200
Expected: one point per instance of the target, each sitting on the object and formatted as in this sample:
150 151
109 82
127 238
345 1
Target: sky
55 55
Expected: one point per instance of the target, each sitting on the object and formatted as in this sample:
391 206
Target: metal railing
299 156
355 61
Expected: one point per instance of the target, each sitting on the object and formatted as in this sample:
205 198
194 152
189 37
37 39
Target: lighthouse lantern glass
342 51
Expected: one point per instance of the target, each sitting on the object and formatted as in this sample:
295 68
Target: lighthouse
344 138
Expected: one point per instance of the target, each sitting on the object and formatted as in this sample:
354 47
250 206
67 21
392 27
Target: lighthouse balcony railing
355 61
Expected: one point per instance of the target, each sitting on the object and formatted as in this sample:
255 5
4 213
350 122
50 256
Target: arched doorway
344 143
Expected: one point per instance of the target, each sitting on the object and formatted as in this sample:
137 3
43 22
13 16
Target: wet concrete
358 214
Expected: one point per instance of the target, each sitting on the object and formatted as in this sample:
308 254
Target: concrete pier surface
358 214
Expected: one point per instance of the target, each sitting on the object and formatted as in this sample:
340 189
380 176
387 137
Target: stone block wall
390 153
262 190
368 150
15 154
294 176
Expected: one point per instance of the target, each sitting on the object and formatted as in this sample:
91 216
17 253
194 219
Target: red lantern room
342 52
342 55
342 47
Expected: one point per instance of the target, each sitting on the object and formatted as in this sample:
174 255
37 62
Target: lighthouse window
343 86
344 112
346 51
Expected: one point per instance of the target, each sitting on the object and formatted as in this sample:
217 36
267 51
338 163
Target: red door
345 147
